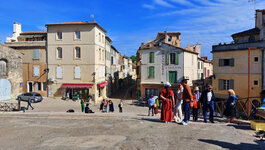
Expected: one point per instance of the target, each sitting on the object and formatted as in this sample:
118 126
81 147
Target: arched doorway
5 89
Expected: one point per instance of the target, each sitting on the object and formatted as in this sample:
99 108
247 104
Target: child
120 106
105 105
87 109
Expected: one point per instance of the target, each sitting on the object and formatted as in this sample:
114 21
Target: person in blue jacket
207 100
230 110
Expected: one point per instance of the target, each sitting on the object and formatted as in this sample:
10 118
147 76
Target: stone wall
14 68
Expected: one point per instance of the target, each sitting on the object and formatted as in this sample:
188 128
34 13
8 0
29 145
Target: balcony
26 44
238 46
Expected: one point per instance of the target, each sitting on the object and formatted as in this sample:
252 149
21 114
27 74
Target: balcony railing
238 46
26 43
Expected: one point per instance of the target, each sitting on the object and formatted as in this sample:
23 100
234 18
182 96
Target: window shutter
170 77
220 84
232 62
59 72
231 84
177 59
221 62
36 53
151 57
167 58
77 72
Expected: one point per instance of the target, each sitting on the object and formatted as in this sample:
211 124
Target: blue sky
131 22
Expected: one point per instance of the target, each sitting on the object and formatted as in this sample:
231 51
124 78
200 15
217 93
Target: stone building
10 73
76 59
230 62
32 45
161 60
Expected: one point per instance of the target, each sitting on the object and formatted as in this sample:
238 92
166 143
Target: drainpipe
262 70
249 69
47 67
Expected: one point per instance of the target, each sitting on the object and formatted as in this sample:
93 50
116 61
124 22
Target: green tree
133 58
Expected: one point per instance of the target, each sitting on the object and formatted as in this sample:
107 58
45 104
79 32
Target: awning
76 86
102 84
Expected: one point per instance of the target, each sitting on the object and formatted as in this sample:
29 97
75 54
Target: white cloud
41 27
148 6
163 3
183 2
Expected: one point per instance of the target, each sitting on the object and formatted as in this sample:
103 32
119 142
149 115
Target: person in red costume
167 97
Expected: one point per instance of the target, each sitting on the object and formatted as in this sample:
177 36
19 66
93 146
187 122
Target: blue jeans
205 108
186 108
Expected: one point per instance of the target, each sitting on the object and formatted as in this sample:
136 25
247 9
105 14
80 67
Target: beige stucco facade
238 73
91 61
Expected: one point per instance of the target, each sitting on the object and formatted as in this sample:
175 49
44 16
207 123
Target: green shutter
167 58
151 72
172 76
177 59
151 57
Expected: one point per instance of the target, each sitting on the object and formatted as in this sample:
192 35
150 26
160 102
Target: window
151 72
99 36
170 39
151 57
111 60
256 82
38 86
36 71
103 38
59 53
177 37
172 58
36 53
77 72
173 76
59 72
44 86
226 62
103 54
77 34
99 54
199 65
59 35
226 84
256 59
77 52
151 91
3 68
199 76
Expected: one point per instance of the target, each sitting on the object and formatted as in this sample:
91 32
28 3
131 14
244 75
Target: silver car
34 97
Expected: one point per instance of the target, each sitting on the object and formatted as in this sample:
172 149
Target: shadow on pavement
241 146
241 127
152 120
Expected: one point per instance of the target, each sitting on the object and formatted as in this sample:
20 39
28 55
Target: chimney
93 21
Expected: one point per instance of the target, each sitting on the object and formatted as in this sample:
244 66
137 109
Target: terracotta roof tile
34 32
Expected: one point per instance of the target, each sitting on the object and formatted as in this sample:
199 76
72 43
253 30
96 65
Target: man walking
207 100
186 101
29 104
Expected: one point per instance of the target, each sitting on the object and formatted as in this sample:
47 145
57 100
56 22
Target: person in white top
178 107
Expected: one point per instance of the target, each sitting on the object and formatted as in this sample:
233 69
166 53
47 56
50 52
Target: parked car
34 97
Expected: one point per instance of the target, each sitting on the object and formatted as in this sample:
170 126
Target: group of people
105 103
86 108
190 102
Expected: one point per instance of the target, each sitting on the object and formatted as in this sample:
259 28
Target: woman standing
230 110
111 106
82 105
178 107
167 97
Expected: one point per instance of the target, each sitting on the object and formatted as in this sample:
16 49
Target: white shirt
209 96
